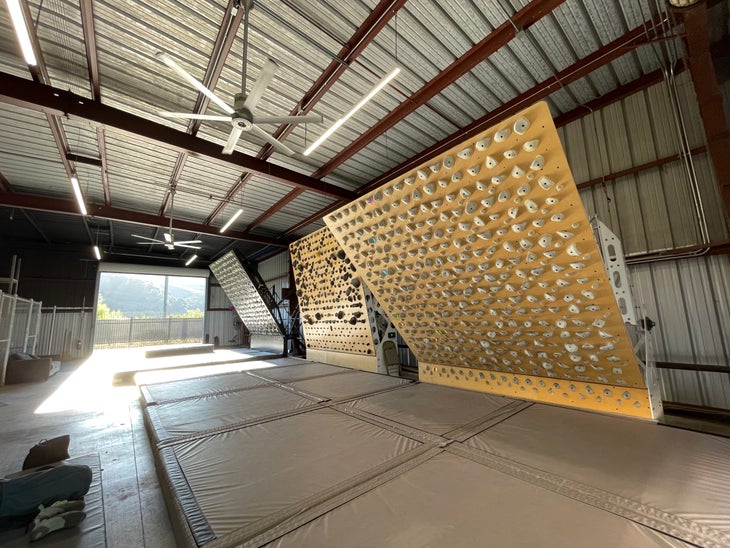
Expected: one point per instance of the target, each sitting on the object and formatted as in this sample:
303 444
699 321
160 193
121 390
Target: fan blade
260 85
193 82
188 242
311 118
188 246
150 243
194 116
271 140
232 140
149 239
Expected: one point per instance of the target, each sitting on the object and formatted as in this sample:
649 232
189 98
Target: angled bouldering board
484 259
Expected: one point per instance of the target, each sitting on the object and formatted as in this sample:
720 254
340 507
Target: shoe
59 507
41 528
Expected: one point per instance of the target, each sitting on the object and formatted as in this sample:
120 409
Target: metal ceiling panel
306 204
138 173
58 25
11 58
29 158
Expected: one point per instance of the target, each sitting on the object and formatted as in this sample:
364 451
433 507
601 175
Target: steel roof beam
709 98
92 63
27 94
599 58
499 37
57 205
379 17
578 70
221 49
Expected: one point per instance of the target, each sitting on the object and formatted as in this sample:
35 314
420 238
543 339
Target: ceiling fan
169 238
241 115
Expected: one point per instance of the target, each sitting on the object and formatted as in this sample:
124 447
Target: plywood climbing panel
485 261
245 295
332 303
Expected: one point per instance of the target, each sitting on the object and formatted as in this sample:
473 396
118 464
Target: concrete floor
105 419
102 419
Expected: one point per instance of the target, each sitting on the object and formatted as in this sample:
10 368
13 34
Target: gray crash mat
351 385
90 533
304 370
432 408
451 501
199 386
174 419
683 473
237 479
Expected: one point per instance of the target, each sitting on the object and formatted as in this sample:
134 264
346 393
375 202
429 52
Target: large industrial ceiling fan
242 115
169 238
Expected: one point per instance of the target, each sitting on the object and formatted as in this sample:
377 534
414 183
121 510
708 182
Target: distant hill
142 296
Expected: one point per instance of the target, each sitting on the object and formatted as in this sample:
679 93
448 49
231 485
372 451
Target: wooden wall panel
484 259
332 302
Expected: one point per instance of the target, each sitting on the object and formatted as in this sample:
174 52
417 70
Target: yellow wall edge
621 400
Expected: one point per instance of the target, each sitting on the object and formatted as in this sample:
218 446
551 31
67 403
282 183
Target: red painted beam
578 70
636 169
219 53
274 208
34 96
621 92
363 36
92 60
56 205
701 68
495 40
582 68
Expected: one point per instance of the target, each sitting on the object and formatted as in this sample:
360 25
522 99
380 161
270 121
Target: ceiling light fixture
190 260
77 193
97 253
380 85
231 220
21 31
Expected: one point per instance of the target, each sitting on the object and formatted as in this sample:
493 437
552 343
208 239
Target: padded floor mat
192 416
90 533
356 383
681 472
245 475
432 408
305 370
200 386
451 501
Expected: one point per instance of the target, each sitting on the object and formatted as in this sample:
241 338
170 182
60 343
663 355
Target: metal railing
125 332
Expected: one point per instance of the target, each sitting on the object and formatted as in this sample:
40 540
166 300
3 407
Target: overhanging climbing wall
250 297
485 261
332 303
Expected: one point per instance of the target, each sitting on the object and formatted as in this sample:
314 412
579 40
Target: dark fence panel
147 331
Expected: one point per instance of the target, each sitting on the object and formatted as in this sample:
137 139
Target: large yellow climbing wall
485 261
332 303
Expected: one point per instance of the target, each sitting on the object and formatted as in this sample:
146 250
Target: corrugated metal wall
653 210
689 299
67 332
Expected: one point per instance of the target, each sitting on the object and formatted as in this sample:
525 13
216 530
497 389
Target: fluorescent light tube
231 220
380 85
190 260
97 253
79 196
21 31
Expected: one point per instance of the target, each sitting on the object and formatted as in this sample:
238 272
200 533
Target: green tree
194 313
103 312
